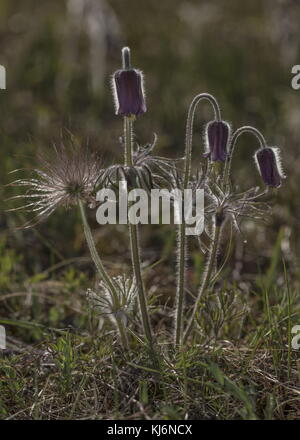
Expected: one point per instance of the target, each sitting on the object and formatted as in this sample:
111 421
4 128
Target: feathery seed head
64 175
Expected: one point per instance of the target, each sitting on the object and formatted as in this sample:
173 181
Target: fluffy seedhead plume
64 175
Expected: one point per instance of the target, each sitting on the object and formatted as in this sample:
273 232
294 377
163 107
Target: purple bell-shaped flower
268 163
217 137
129 92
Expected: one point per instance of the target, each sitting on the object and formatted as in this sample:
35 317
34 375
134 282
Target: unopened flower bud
268 163
217 137
129 92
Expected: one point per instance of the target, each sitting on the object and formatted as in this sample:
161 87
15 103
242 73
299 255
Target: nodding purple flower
129 92
269 166
217 137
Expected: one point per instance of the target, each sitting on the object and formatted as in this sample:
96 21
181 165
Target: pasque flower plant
72 177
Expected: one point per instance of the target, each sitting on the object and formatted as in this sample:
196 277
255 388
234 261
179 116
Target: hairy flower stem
206 278
134 242
101 270
182 247
235 136
126 58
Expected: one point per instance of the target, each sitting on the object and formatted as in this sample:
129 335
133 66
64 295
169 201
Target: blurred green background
59 57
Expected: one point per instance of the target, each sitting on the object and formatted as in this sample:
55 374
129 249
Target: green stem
189 130
128 128
182 237
101 270
207 276
235 136
134 242
122 332
126 58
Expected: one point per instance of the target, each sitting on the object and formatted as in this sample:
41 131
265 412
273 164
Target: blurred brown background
59 56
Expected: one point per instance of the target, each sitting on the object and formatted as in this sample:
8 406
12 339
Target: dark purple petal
129 92
217 138
268 166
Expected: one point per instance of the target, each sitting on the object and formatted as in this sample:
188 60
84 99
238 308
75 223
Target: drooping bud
129 92
217 137
268 163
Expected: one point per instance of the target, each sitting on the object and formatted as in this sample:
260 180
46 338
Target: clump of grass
241 365
78 379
